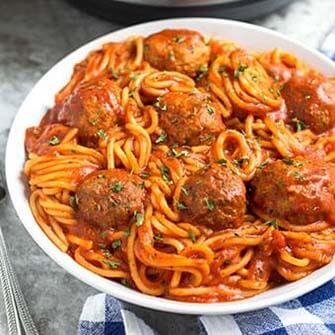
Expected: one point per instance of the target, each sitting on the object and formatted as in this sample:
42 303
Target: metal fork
18 317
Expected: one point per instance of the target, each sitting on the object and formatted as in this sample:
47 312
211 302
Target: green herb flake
116 244
222 162
74 201
272 223
111 264
179 39
127 231
54 140
240 161
117 187
139 218
263 165
241 68
104 234
165 173
114 74
192 236
184 190
297 175
145 174
210 109
93 122
158 237
125 282
176 154
289 161
101 133
203 70
161 138
170 55
299 125
210 204
181 206
102 245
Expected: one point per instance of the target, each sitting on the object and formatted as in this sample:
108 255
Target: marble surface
34 35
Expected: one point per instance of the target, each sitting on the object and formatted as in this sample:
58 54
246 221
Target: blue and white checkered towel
311 314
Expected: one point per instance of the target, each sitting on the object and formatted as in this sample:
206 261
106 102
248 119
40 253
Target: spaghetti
114 168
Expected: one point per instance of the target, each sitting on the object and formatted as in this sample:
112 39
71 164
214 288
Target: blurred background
34 35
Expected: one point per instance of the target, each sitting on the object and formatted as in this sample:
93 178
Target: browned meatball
110 198
311 99
189 118
301 191
177 50
93 108
215 197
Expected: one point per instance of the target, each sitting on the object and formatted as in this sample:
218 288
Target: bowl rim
15 185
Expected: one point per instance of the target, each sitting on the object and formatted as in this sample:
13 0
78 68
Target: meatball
109 198
215 197
311 99
301 191
189 118
93 108
177 50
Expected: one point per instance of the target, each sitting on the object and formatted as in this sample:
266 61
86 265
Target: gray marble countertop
34 35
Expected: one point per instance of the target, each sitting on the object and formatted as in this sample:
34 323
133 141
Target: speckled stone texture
34 35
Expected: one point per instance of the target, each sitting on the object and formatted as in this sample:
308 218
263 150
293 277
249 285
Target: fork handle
23 311
11 312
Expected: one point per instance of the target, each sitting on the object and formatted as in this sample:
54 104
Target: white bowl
42 96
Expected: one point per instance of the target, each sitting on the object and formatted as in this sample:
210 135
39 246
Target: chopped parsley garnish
102 245
93 122
54 140
158 237
170 55
210 109
181 206
116 187
263 165
113 74
134 76
192 236
222 162
161 138
165 173
184 190
203 69
104 234
125 282
145 174
116 244
101 133
289 161
139 218
127 231
158 105
272 223
299 124
179 39
210 204
297 175
240 161
222 69
111 264
176 154
74 202
241 68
